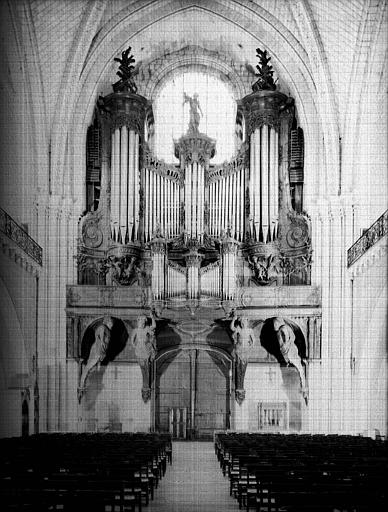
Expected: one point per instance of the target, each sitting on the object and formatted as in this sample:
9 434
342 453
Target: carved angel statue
288 349
243 338
125 72
97 352
144 343
195 110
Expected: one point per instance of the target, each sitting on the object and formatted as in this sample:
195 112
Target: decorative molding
376 231
20 237
169 171
218 172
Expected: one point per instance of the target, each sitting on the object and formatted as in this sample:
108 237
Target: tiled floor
194 482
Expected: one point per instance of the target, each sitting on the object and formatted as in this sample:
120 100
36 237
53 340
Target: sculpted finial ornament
144 343
125 72
289 351
264 73
195 111
97 351
243 340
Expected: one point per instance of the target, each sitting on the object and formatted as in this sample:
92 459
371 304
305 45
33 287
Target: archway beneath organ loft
284 340
192 391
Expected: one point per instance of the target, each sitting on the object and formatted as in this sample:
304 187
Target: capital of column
158 245
193 259
195 147
229 245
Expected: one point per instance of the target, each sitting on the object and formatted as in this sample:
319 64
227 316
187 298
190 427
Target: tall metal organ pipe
263 186
125 183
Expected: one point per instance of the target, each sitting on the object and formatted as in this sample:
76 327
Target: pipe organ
195 230
125 184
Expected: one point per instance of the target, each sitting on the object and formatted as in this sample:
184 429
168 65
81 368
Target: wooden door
212 394
172 393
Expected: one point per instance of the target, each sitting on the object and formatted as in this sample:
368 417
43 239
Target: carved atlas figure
97 352
243 339
143 341
195 111
288 349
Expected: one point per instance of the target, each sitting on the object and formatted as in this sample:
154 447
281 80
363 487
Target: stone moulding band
21 238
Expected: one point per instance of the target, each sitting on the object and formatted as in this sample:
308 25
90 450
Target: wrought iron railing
372 235
21 238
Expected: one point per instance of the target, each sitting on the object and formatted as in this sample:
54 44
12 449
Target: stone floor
194 482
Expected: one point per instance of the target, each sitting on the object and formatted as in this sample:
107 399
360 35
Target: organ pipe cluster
194 220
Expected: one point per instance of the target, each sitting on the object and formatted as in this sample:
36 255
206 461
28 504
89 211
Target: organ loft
195 276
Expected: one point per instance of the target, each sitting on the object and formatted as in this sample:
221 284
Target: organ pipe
124 204
124 182
136 186
274 181
264 171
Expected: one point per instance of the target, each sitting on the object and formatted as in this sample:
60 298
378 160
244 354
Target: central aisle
194 482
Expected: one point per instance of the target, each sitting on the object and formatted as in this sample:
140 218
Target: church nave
194 482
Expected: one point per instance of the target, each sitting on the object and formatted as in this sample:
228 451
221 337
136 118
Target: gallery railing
20 237
371 236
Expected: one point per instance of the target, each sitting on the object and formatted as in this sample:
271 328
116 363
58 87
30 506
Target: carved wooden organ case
190 235
194 231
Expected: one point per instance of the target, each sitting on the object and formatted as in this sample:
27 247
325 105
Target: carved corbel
243 340
143 341
289 351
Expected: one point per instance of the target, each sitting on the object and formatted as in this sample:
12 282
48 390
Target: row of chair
279 472
77 472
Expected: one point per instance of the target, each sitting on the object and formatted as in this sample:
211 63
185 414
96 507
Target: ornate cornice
126 109
265 108
169 171
377 230
20 237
